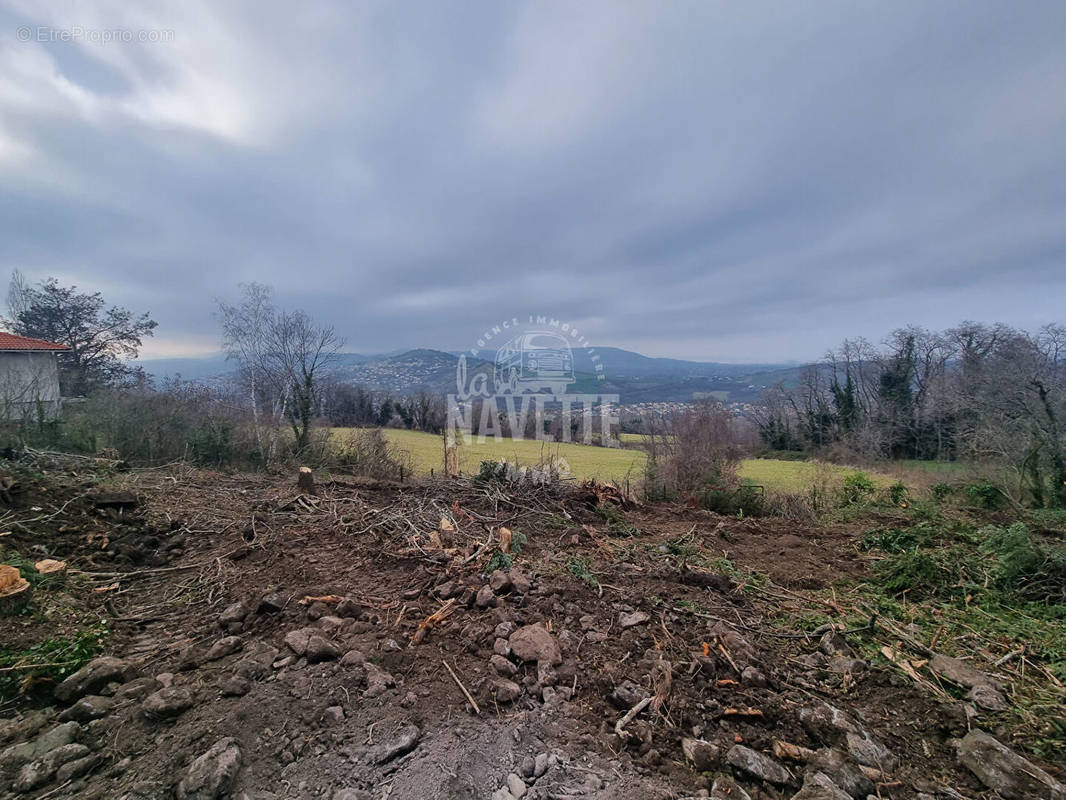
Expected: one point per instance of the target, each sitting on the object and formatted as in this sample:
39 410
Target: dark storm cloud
714 181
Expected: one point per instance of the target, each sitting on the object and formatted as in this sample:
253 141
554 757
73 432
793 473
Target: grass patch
39 667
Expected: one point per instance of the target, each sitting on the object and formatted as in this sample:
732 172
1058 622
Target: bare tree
282 357
298 352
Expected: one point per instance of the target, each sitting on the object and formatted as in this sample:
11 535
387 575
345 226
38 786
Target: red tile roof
9 341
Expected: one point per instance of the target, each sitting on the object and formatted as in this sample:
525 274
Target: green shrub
940 491
917 573
897 493
858 487
747 500
987 495
894 540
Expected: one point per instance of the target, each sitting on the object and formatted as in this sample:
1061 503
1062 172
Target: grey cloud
718 181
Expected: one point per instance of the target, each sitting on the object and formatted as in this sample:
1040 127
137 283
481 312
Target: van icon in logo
534 361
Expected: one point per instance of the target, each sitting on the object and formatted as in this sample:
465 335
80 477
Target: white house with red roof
29 377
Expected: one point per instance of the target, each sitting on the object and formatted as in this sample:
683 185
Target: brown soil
201 541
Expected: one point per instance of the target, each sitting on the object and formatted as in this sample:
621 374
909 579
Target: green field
604 463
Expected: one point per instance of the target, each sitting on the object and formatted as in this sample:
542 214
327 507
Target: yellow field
604 463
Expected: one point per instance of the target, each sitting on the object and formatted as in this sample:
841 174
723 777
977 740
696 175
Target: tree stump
15 590
305 480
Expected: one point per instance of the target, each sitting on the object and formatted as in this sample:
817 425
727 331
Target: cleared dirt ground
235 681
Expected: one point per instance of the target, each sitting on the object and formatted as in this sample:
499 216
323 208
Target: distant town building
29 377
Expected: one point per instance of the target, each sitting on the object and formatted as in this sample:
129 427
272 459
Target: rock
44 769
226 646
836 766
378 681
738 647
236 686
534 643
168 703
985 690
1004 771
870 752
352 794
271 603
843 665
212 775
333 715
349 609
190 659
321 649
527 768
404 742
504 630
45 742
137 689
751 676
629 620
353 658
503 667
833 644
93 677
78 767
540 764
817 786
501 647
331 625
705 756
257 665
626 695
296 640
90 707
988 697
24 728
503 690
516 786
486 598
520 582
823 721
754 763
500 582
725 788
233 614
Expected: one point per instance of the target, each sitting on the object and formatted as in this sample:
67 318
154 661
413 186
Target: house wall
29 383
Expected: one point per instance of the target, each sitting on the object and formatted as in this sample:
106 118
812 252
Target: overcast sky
713 180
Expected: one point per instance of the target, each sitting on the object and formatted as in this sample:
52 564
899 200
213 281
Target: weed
858 487
617 523
581 569
940 491
986 495
42 665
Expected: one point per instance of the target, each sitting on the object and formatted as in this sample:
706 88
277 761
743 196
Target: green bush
748 500
940 491
897 493
858 487
987 495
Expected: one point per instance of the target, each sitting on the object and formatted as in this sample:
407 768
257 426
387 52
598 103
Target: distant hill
634 377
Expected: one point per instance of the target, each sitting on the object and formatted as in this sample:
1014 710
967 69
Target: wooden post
305 480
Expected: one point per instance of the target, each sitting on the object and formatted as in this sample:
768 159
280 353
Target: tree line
974 392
